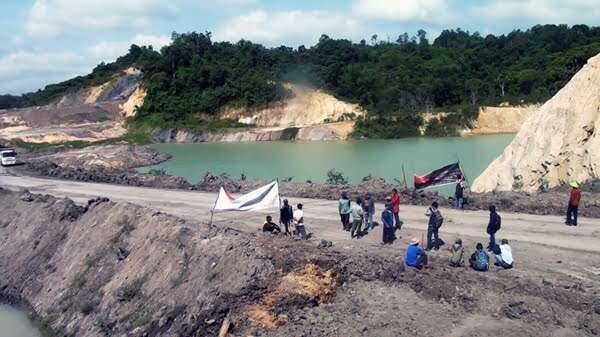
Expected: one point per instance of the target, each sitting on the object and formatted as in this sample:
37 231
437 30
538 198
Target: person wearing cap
344 210
387 219
457 254
503 254
573 204
415 255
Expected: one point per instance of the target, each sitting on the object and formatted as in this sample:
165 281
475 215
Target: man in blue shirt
415 255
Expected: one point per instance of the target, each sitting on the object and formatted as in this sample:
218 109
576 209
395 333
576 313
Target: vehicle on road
8 157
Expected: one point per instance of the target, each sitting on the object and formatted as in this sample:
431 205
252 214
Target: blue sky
45 41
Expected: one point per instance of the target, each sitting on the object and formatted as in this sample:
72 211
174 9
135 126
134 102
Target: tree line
193 78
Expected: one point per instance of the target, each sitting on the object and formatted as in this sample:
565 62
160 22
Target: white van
8 157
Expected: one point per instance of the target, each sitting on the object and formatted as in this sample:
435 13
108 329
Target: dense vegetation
190 80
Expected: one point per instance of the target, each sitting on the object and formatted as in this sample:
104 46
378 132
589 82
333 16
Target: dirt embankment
115 269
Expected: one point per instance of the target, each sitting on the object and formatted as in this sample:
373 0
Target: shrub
335 177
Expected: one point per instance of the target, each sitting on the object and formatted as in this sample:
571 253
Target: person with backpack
415 255
395 200
493 227
356 210
480 260
433 226
457 254
504 256
344 210
286 215
387 219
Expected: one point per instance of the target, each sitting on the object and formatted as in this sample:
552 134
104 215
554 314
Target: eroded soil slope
114 269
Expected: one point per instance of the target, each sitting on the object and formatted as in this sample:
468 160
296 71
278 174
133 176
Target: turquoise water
14 323
311 160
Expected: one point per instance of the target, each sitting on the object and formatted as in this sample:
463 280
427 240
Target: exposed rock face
90 114
330 131
308 106
501 119
559 142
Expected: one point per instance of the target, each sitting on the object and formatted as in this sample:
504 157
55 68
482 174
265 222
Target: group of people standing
357 217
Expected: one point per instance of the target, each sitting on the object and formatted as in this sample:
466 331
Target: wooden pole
404 175
225 326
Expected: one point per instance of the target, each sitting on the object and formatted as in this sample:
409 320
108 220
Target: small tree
335 177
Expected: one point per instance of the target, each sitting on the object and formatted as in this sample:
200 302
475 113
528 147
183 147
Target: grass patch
130 291
125 228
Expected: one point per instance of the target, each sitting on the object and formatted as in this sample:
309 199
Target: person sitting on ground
357 213
457 254
504 256
433 226
387 218
270 226
299 222
415 255
480 260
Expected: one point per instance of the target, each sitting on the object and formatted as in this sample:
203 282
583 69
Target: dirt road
321 215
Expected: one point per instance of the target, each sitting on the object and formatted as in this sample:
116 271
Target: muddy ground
115 269
551 202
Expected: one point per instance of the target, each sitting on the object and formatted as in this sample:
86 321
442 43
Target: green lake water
311 160
14 323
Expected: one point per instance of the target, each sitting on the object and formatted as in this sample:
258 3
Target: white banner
266 197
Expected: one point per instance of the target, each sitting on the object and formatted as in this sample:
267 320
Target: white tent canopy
266 197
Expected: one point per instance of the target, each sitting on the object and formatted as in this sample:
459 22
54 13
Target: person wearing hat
415 255
573 204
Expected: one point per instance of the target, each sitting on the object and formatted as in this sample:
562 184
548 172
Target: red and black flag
446 175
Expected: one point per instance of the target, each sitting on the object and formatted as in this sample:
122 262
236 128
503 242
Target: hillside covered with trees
189 81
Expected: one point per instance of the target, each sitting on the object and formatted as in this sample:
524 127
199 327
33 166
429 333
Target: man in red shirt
573 204
395 201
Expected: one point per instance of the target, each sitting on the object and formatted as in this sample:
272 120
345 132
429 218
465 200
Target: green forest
191 79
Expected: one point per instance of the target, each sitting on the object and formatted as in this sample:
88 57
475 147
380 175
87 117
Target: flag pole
212 210
404 175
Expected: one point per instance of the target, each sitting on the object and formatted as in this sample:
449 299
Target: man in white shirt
299 222
504 256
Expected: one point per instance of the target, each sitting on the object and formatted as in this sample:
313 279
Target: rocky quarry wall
557 143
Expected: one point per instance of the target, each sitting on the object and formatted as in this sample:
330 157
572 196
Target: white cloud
403 11
287 27
110 50
541 11
52 17
22 70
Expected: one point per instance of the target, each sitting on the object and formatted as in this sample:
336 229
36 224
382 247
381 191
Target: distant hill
194 79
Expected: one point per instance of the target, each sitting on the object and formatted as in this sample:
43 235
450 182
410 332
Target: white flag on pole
266 197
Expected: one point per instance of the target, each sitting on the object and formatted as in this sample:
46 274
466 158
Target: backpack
481 261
